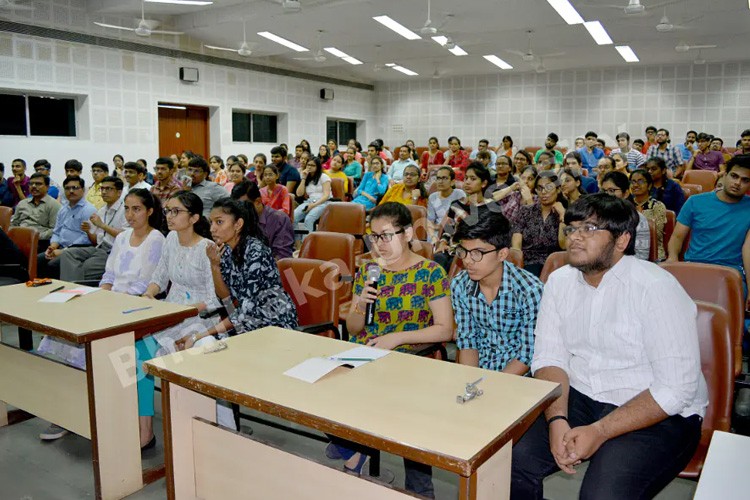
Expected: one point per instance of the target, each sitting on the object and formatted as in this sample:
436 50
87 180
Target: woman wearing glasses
374 184
412 306
440 201
641 185
409 192
538 230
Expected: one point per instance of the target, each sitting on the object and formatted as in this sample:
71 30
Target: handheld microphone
373 275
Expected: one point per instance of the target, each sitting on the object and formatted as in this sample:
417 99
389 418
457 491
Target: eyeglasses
72 188
476 254
547 188
411 174
441 178
174 212
586 230
639 182
385 237
612 191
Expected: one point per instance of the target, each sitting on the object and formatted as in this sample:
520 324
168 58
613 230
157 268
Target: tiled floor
34 470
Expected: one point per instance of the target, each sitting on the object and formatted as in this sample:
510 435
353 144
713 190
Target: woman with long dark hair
244 274
324 155
457 157
218 173
315 186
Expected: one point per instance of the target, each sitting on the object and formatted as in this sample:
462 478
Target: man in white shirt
404 160
620 336
135 177
484 145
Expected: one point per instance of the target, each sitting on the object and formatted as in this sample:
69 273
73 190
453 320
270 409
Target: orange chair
554 261
669 228
337 189
347 218
714 338
349 196
333 247
27 240
423 248
718 285
312 285
653 249
290 213
5 214
691 189
418 221
706 179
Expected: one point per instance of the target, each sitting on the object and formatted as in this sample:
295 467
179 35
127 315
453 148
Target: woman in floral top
640 187
412 306
457 157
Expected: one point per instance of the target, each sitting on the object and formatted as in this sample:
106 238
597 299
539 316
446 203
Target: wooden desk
724 473
401 404
100 403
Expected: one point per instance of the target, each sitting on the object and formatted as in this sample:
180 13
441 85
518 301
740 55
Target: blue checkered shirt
671 156
503 330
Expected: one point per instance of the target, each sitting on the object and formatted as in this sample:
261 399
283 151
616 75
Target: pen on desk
334 358
128 311
56 289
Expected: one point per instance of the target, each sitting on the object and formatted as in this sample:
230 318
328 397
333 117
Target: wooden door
181 129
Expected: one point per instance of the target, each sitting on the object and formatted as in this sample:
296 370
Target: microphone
373 275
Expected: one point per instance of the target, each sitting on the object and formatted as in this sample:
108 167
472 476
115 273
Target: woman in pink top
458 158
272 194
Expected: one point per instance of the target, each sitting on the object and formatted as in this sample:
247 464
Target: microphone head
373 274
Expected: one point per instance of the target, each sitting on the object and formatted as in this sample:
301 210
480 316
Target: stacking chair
337 189
691 189
714 337
5 214
418 221
347 218
27 240
653 249
312 284
669 228
554 261
337 248
704 178
718 285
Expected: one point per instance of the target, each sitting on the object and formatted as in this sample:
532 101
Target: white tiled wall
714 98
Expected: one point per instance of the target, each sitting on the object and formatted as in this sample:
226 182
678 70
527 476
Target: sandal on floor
357 470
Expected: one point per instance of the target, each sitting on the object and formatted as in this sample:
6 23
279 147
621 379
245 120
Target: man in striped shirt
635 157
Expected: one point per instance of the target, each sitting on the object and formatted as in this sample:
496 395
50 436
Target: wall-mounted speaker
189 75
326 94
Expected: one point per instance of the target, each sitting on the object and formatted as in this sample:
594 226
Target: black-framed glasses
547 188
385 237
475 254
72 188
585 230
174 212
638 182
612 191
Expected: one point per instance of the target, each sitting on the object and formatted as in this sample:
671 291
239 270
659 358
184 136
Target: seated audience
484 145
182 168
134 177
134 256
288 175
495 302
440 201
667 152
68 231
256 168
43 167
336 170
433 156
18 185
704 158
6 198
13 262
507 148
315 188
99 171
718 222
324 156
590 153
640 188
396 172
39 211
744 147
73 168
573 161
413 148
88 263
503 172
603 167
218 174
484 158
353 167
650 139
374 184
635 157
665 190
275 224
511 197
274 195
235 175
549 146
621 162
717 144
209 192
457 157
521 160
333 147
688 148
165 180
412 306
571 185
617 184
410 191
244 274
118 161
295 160
538 229
633 395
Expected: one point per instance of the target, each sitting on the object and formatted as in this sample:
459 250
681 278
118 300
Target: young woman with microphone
410 305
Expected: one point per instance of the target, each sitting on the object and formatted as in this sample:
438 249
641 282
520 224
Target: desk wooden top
86 318
403 404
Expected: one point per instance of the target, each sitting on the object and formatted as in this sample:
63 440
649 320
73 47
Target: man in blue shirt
574 162
484 145
590 154
68 232
495 302
288 175
719 222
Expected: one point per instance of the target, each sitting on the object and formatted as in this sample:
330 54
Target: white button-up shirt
635 331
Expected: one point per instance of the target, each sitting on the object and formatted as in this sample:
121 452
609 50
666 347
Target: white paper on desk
81 290
313 369
364 352
65 295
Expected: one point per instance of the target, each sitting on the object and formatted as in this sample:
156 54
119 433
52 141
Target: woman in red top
458 158
324 155
433 156
272 194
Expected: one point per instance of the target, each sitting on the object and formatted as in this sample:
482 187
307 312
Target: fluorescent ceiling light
171 106
598 33
390 65
442 40
403 70
343 55
627 53
181 2
398 28
282 41
498 62
456 50
566 10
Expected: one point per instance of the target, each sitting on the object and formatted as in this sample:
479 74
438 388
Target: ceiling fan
146 27
429 29
529 55
634 7
684 47
294 6
317 55
666 26
11 5
245 49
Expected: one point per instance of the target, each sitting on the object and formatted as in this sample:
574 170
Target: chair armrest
92 283
221 311
317 328
431 349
